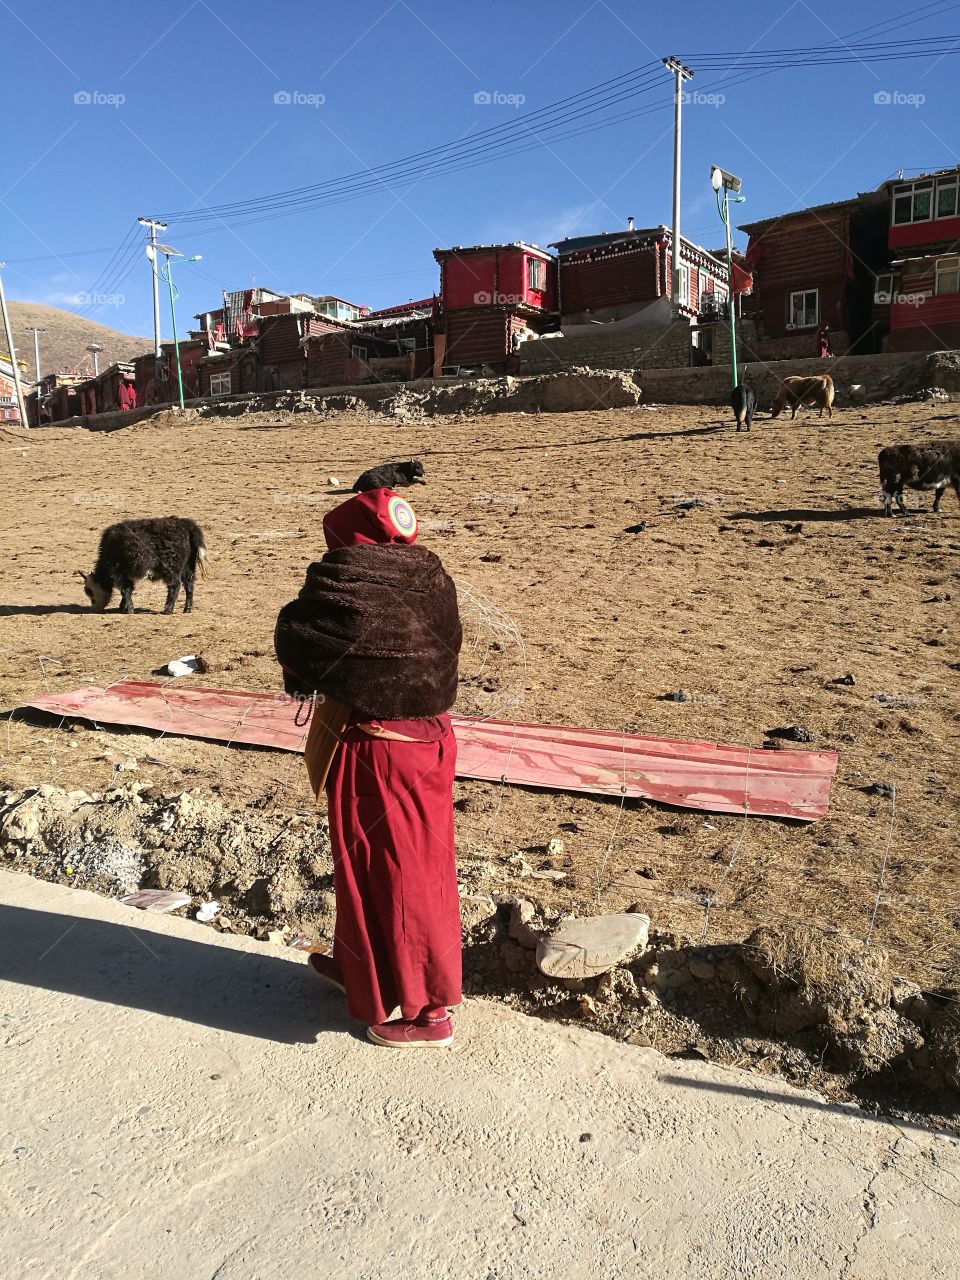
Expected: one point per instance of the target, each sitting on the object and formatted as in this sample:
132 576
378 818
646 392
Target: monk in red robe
376 626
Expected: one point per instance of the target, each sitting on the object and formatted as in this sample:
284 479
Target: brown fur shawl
378 628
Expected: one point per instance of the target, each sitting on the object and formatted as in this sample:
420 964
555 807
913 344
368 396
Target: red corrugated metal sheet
691 775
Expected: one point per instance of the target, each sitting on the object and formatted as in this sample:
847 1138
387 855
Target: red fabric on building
397 939
742 281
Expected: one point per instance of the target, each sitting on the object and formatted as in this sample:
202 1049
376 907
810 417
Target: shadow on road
216 986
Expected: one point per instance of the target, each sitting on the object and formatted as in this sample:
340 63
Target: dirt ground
783 578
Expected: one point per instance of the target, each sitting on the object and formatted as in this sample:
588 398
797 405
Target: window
883 288
536 274
947 197
684 286
408 344
358 353
220 384
804 308
948 276
913 202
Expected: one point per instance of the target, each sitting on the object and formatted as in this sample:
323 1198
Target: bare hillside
65 339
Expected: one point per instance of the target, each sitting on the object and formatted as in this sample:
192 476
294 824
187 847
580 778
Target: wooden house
815 267
616 275
156 379
228 373
491 297
282 348
349 355
920 290
411 326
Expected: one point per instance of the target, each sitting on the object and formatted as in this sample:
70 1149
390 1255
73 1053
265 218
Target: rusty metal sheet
690 775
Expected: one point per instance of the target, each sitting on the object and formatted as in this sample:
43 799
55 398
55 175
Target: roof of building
401 310
918 177
862 197
574 244
460 249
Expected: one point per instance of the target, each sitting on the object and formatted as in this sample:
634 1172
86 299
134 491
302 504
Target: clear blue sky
198 125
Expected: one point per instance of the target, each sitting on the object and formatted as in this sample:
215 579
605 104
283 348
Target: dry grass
783 579
65 338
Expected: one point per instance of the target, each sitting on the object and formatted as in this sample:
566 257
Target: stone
585 948
520 929
476 909
702 969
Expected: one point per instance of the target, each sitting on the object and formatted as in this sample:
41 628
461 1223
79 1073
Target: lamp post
169 253
95 348
720 180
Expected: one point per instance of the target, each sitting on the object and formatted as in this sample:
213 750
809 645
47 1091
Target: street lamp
169 252
720 180
95 348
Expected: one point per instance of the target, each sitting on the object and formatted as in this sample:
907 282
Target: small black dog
391 475
743 402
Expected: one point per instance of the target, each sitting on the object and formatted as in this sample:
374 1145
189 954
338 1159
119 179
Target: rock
648 873
849 679
519 928
880 789
476 909
555 847
681 695
128 766
702 969
584 948
555 876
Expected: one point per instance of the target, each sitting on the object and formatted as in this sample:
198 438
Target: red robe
397 938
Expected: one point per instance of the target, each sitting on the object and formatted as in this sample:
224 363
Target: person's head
377 516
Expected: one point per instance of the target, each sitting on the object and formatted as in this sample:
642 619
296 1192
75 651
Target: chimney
629 224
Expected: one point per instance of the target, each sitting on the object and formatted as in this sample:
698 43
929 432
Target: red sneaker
326 969
421 1033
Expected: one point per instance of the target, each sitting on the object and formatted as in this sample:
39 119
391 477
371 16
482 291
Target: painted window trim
221 384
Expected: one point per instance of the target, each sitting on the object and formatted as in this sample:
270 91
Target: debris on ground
158 900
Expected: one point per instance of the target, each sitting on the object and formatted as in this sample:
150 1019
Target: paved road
177 1103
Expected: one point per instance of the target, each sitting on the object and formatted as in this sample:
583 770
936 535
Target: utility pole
680 74
95 348
154 228
21 403
36 350
726 182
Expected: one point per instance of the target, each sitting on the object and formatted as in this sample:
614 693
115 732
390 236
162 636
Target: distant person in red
376 626
823 338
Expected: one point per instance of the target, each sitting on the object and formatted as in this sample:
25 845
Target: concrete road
178 1103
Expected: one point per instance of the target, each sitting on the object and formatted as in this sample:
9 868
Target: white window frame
684 286
793 312
948 184
357 352
884 295
912 190
221 384
949 268
536 274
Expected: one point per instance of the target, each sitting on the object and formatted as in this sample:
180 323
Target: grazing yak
815 392
919 466
391 475
743 402
166 549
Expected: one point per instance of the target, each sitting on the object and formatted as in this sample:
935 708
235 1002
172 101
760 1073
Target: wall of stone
881 376
662 346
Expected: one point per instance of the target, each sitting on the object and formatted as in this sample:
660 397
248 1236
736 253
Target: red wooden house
921 289
815 267
491 296
613 275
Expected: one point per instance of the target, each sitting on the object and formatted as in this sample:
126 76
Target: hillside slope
65 339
